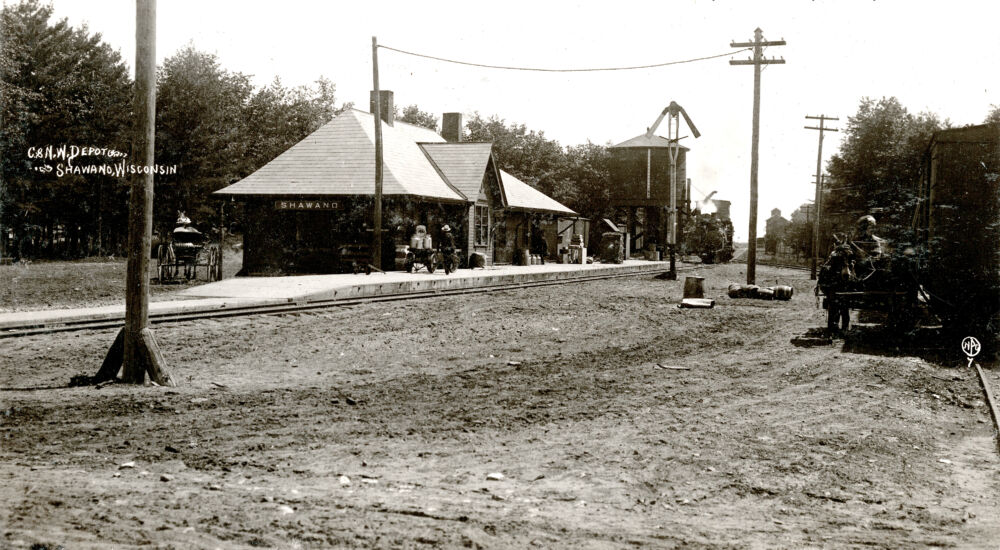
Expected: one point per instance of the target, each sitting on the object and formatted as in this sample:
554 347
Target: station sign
306 205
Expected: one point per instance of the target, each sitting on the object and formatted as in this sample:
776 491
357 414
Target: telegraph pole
758 46
377 240
819 186
135 350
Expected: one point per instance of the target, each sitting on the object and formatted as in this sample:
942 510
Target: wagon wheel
431 260
213 264
160 268
166 262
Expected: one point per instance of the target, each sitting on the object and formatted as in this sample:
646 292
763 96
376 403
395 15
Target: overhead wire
553 70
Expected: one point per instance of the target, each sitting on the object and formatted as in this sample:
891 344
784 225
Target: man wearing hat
447 247
866 243
447 243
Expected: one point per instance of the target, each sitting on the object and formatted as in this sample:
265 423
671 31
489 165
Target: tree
878 165
797 234
994 115
58 86
200 129
414 115
275 118
585 180
526 154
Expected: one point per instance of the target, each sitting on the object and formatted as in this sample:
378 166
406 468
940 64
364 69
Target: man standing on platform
447 247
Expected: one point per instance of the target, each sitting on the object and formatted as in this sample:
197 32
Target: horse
838 274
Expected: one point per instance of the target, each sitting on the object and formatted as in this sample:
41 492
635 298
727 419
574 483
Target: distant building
774 232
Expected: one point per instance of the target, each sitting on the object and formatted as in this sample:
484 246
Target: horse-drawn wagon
185 252
952 265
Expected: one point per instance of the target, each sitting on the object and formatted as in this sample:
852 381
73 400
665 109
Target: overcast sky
942 57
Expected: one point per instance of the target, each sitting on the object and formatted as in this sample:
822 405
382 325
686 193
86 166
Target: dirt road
382 426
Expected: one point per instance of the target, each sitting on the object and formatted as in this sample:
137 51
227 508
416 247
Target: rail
991 403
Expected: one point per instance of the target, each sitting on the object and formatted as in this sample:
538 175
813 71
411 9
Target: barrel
765 293
416 242
694 287
428 244
400 259
612 248
783 292
735 290
477 259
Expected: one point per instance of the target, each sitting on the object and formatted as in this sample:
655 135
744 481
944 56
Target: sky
938 57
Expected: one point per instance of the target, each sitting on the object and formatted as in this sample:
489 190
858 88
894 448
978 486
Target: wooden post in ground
819 189
377 240
222 240
139 351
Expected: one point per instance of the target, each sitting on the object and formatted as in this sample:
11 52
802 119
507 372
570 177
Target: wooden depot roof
463 163
339 160
521 196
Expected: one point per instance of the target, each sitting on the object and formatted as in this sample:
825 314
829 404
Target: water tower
642 169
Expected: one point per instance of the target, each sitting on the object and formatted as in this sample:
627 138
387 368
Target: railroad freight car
957 223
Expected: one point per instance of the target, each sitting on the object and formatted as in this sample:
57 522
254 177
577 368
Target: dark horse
838 275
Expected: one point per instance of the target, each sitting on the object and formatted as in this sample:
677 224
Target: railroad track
991 403
785 266
50 327
789 266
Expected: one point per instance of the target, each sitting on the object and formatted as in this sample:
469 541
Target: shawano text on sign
306 205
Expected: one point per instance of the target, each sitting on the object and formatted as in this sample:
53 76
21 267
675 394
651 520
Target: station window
482 223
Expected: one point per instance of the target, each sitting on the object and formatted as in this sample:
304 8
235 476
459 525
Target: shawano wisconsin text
119 170
69 153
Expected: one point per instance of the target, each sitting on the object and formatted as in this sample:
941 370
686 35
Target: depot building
310 210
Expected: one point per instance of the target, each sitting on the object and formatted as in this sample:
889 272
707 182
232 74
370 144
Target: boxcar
957 223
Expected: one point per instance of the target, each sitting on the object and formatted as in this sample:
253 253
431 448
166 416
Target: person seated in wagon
867 244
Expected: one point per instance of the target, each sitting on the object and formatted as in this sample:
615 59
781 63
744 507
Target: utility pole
135 351
758 46
819 186
377 240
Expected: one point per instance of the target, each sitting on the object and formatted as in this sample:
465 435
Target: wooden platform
245 292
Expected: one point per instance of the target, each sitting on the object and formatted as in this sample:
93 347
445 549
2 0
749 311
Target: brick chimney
451 127
388 109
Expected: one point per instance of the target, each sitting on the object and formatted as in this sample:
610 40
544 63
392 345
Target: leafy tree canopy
993 115
58 85
413 115
878 165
